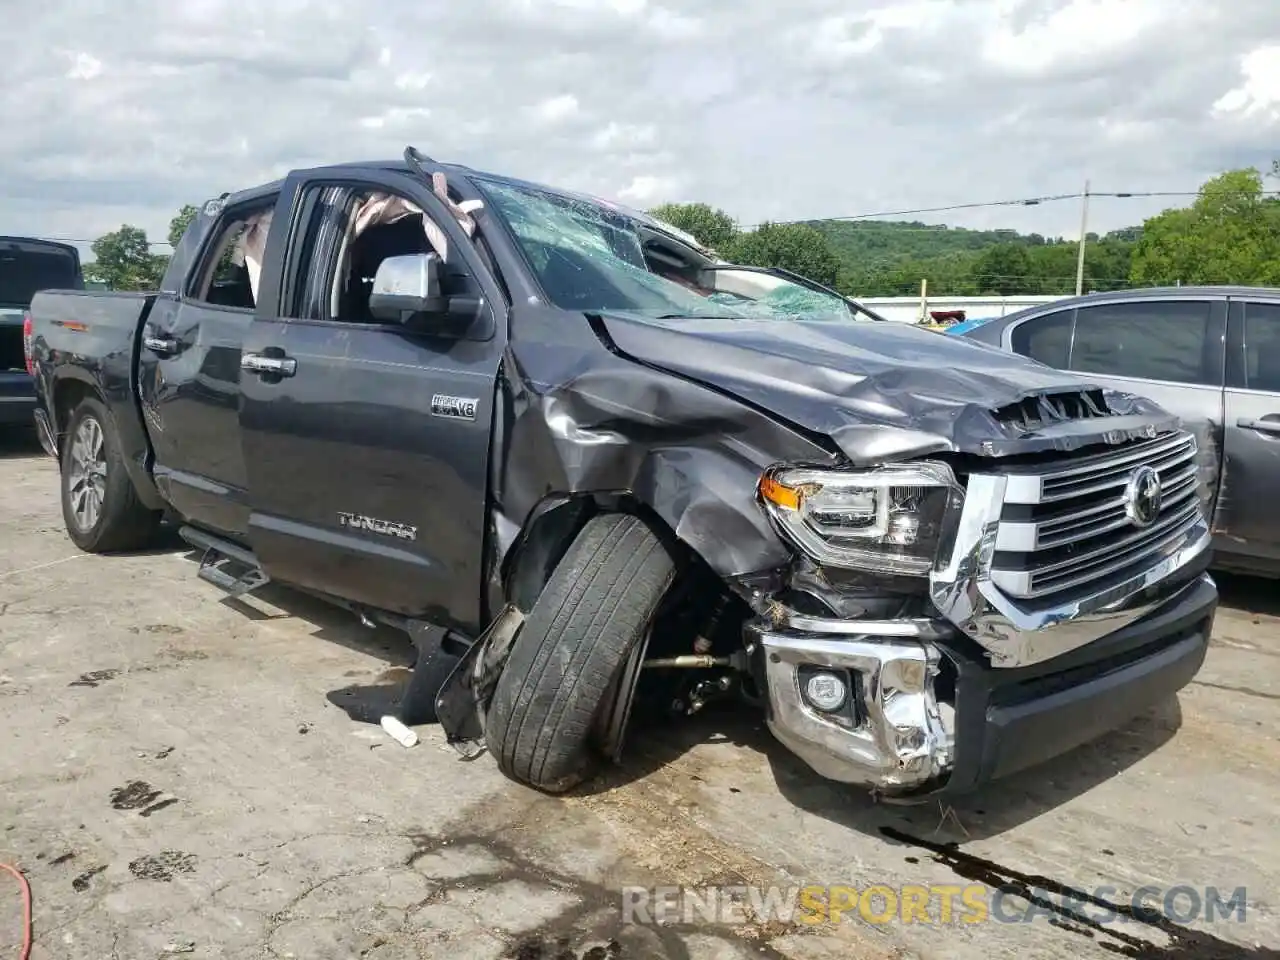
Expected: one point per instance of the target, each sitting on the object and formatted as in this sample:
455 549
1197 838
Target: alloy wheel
87 477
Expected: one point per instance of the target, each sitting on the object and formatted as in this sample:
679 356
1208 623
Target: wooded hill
889 258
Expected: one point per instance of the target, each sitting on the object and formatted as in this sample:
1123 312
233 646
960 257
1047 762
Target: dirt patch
163 866
81 883
93 678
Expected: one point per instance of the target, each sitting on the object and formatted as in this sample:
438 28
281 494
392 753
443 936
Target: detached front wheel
100 507
593 613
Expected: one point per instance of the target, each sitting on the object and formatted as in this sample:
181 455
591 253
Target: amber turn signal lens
778 494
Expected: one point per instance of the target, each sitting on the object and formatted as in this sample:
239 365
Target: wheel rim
616 711
87 477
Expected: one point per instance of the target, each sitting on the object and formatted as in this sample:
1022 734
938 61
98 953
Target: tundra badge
387 528
459 408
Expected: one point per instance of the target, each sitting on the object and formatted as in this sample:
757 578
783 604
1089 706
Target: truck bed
85 338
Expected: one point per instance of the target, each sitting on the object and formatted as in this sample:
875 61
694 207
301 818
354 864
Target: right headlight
887 519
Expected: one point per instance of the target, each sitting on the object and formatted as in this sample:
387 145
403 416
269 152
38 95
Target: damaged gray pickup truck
593 471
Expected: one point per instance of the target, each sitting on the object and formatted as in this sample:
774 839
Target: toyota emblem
1142 497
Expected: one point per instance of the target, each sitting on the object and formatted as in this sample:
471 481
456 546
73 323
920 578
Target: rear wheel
591 616
100 506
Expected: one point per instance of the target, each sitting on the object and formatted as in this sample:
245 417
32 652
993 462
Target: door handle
276 366
164 345
1262 426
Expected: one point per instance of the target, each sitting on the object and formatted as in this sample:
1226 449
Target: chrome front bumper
1024 669
900 736
904 739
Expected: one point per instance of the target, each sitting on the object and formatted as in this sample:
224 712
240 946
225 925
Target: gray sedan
1210 355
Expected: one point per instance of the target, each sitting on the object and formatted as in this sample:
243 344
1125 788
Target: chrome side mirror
405 288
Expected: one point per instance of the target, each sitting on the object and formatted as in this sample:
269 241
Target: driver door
367 481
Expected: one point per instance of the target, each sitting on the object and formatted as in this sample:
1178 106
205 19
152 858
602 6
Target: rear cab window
227 272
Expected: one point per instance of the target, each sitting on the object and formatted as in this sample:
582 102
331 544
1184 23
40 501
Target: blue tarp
966 325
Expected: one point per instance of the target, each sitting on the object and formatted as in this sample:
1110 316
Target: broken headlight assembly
889 519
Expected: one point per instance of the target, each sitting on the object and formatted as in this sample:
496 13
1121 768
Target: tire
120 522
593 612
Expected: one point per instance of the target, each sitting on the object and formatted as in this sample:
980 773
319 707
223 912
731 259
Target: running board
227 566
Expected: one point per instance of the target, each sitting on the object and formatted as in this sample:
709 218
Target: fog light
826 691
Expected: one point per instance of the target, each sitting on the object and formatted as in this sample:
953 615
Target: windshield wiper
700 316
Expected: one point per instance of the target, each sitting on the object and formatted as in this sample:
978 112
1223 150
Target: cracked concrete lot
178 777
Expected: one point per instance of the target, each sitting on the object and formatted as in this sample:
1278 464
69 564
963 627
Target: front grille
1064 530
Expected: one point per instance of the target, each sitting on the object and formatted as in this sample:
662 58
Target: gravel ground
179 778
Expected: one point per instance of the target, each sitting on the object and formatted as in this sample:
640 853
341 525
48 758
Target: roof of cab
399 166
40 242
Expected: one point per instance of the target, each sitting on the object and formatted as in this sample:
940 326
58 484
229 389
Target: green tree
947 275
1230 234
123 259
1004 269
796 247
181 220
713 227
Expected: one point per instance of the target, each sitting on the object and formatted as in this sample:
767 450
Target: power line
150 243
988 204
948 208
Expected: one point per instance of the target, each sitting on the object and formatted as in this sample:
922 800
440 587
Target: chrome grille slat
1109 508
1141 550
1066 528
1097 473
1097 518
1109 476
1130 456
1175 493
1118 545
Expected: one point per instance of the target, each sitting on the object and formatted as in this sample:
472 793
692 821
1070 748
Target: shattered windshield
758 293
588 256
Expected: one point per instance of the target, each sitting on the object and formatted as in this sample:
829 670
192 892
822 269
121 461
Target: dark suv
27 265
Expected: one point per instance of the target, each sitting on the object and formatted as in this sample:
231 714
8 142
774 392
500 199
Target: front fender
687 453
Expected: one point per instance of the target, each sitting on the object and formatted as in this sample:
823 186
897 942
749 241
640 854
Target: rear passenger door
189 374
1248 511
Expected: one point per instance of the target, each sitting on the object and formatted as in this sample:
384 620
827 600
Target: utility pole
1084 225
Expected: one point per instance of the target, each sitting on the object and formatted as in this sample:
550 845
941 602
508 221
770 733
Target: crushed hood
879 390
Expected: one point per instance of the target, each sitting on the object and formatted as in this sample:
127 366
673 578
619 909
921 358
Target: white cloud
1076 33
395 116
769 110
648 189
1259 92
84 66
845 36
556 109
412 81
625 135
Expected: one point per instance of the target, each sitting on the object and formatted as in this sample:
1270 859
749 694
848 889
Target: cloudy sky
118 111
